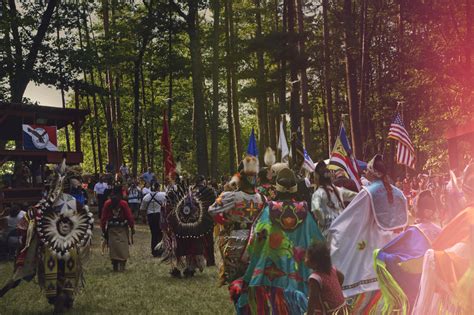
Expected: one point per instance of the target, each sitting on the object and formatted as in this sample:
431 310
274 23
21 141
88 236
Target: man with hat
234 212
366 224
275 280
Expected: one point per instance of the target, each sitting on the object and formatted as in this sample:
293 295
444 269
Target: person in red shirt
115 222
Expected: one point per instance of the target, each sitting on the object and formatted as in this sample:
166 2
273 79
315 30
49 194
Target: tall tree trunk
118 109
272 126
283 53
170 62
94 99
91 131
230 119
295 106
327 79
84 73
261 87
234 82
109 112
307 110
216 8
136 115
145 117
152 109
198 88
61 82
351 77
364 77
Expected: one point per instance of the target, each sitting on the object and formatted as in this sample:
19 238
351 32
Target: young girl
325 291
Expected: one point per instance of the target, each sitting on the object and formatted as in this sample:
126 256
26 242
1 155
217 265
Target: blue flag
344 140
252 148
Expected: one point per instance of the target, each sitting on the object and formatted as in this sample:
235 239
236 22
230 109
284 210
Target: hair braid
388 188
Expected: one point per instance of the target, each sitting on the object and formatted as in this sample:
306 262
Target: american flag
405 149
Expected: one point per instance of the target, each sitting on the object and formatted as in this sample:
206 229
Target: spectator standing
152 204
124 171
13 238
134 198
99 193
149 176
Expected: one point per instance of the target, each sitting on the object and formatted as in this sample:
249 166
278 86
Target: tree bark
94 100
136 115
327 79
84 73
198 88
351 77
295 106
364 77
230 119
272 118
234 83
282 70
145 116
261 87
307 110
109 107
216 8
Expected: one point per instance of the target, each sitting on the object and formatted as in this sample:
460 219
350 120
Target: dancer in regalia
398 263
55 236
366 224
328 200
234 213
275 281
116 220
447 281
187 226
265 179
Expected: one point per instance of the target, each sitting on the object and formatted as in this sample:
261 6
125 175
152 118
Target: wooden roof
13 115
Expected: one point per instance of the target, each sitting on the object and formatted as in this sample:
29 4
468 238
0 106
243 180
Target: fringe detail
464 292
395 300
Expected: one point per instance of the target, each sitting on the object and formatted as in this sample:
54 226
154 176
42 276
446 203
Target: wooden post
77 134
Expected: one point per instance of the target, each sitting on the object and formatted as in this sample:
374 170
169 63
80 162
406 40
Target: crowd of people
284 241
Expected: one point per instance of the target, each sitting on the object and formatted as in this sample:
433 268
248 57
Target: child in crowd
325 291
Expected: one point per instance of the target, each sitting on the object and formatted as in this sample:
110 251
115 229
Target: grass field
144 288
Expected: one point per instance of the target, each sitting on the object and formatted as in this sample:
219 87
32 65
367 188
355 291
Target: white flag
282 145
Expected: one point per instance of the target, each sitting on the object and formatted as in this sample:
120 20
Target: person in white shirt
99 190
153 203
124 171
146 189
328 200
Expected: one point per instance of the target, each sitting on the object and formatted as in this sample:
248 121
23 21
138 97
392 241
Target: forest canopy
218 68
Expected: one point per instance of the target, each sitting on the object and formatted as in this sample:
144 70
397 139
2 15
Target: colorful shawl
398 266
275 280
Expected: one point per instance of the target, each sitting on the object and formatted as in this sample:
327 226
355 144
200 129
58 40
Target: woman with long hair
372 219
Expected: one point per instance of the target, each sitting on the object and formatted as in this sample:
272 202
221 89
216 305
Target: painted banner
40 137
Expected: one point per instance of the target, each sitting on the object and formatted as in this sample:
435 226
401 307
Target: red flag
168 161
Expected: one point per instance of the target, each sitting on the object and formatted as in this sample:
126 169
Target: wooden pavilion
13 118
